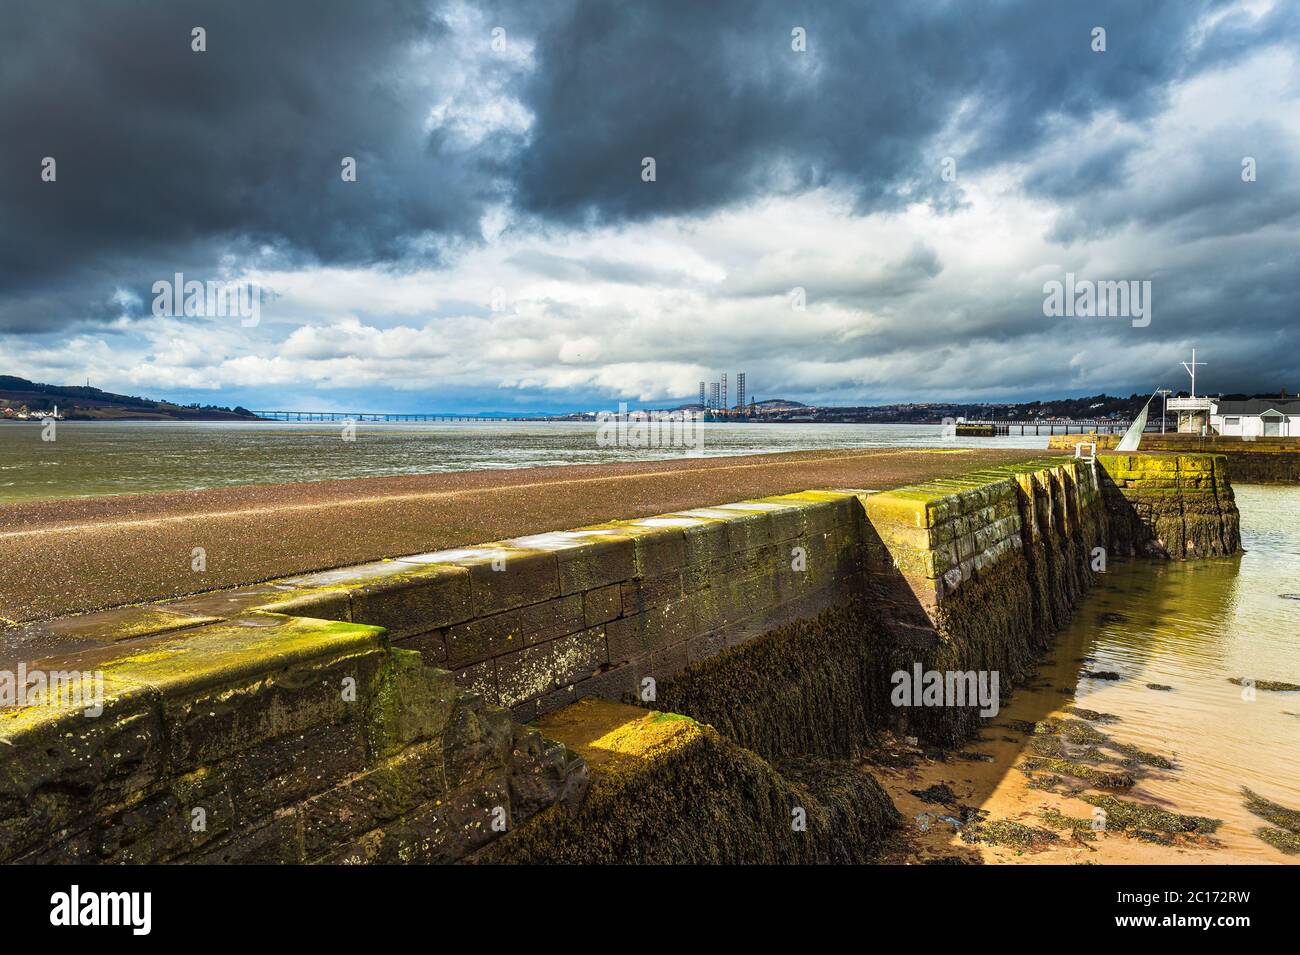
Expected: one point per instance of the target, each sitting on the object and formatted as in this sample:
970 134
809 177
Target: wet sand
69 556
1172 636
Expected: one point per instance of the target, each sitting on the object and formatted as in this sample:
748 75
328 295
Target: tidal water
1177 633
89 458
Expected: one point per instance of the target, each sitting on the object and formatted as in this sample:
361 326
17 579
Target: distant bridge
371 416
1055 426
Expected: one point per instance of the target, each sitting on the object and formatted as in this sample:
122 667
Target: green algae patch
1009 834
1076 748
1092 716
124 623
1078 828
1135 755
1074 731
1278 815
1280 839
1276 686
1103 779
239 649
1135 816
674 791
326 602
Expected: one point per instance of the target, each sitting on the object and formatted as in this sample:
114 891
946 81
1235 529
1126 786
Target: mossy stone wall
373 713
267 739
1254 461
1170 505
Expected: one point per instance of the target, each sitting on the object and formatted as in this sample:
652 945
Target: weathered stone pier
681 687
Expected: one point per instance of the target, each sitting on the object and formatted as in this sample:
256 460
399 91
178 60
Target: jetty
1047 426
377 416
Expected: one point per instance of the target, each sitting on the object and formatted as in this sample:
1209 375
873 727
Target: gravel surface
69 556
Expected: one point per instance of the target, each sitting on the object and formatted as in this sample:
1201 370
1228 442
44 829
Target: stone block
434 834
278 842
644 593
630 638
526 674
123 623
419 598
480 678
484 638
431 646
666 663
578 656
411 702
476 744
400 784
227 686
603 557
543 773
278 774
320 603
508 576
617 683
62 765
602 605
553 618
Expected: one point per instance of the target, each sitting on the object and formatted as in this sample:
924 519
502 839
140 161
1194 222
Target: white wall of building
1255 426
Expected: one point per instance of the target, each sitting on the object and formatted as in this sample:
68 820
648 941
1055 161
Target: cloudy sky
919 170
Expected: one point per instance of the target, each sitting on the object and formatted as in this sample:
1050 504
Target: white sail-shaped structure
1133 436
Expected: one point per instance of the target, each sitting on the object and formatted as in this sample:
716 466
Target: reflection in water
1191 627
1175 634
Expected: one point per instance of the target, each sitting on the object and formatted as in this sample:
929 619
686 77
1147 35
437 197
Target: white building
1194 414
1256 417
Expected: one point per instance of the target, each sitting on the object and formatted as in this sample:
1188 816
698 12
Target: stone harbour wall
978 574
412 710
535 623
1254 461
1170 506
267 739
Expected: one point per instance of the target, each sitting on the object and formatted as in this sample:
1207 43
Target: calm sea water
93 458
1192 626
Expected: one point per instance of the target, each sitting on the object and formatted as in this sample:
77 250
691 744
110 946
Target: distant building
713 396
1193 413
724 406
703 404
1257 417
740 391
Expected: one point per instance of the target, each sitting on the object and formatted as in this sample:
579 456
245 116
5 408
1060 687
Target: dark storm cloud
170 160
160 148
727 109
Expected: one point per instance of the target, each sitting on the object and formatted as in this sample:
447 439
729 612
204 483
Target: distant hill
75 402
